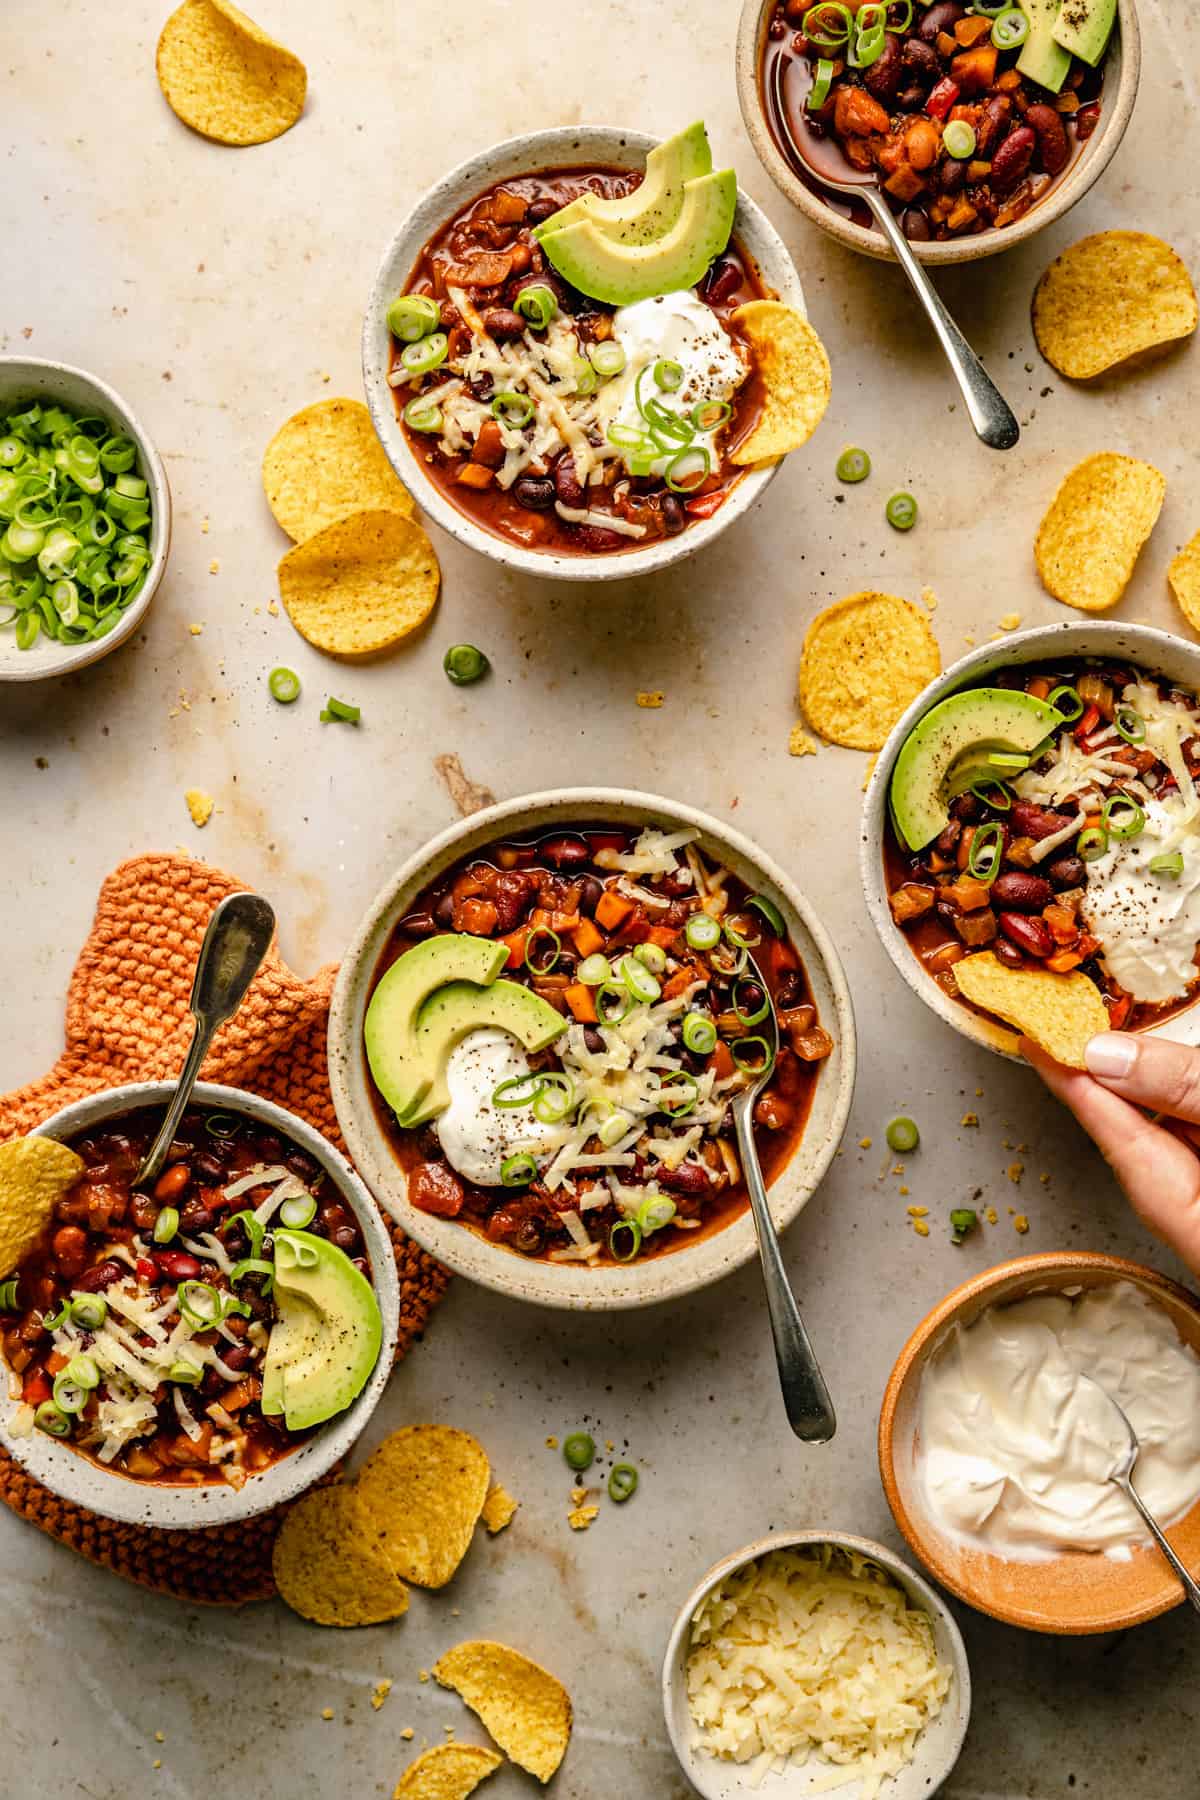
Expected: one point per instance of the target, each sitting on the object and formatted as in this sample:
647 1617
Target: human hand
1156 1161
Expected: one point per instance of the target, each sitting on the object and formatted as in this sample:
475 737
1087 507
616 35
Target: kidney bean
947 840
944 16
599 540
688 1178
565 852
101 1276
1051 135
885 74
1066 871
1011 162
722 280
1036 822
993 123
1026 893
195 1216
501 322
590 891
235 1356
966 807
567 484
1008 953
69 1245
534 492
177 1265
1086 120
1030 935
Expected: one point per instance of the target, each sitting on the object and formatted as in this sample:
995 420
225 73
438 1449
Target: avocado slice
392 1015
1084 28
593 260
327 1333
447 1017
652 208
956 737
1042 58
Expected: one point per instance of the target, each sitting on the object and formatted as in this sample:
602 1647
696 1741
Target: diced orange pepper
946 44
1063 928
970 31
234 1398
964 214
587 939
582 1001
56 1362
968 894
1009 81
613 909
683 978
516 941
662 935
1064 961
975 69
721 1061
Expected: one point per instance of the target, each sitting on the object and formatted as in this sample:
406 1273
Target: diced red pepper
705 505
942 98
147 1270
35 1388
1088 723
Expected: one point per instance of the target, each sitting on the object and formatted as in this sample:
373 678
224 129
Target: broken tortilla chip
447 1772
1091 537
1108 298
865 660
222 75
499 1509
523 1706
329 1564
1183 576
1062 1013
361 585
793 369
424 1488
34 1173
326 463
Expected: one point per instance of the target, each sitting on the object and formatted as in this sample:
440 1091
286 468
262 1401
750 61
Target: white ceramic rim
561 147
568 1285
1151 649
46 659
956 1712
74 1477
1123 71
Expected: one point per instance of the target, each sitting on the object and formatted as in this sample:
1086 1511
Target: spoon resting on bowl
1122 1477
994 420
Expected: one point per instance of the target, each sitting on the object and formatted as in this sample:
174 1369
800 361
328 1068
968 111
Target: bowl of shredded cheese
811 1663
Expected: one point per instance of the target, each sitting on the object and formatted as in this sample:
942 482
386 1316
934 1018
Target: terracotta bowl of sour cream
1006 1566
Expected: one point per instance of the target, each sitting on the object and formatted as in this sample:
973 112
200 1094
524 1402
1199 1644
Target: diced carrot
613 909
938 863
978 170
582 1001
946 44
905 184
1064 961
964 214
489 445
1008 81
970 31
975 69
241 1394
1061 921
968 894
721 1061
683 978
56 1362
516 941
474 475
587 939
663 935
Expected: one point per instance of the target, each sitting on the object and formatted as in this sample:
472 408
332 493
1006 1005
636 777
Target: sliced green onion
8 1295
88 1310
728 961
1091 844
49 1419
622 1483
429 354
542 964
254 1265
853 465
608 359
586 379
710 415
579 1451
512 409
987 852
963 1220
166 1225
689 470
699 1033
740 940
556 1099
1009 28
199 1303
613 1128
618 1249
187 1374
283 685
996 794
959 139
901 511
537 305
759 1014
423 415
642 984
67 1396
655 1212
518 1170
594 970
1130 724
339 712
702 931
818 93
753 1056
828 25
221 1125
653 956
517 1090
84 1372
678 1096
1122 817
614 1002
1169 864
298 1212
668 375
464 664
412 317
902 1135
760 903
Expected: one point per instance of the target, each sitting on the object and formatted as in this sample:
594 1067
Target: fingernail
1111 1055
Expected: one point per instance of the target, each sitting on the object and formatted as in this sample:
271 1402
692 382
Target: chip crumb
1044 1178
381 1691
273 608
552 1443
159 1738
969 638
195 630
652 698
408 1734
969 1118
498 1509
327 1712
1009 621
204 526
920 1227
326 377
1014 1171
979 1093
157 1763
214 567
423 1675
864 1143
917 1212
930 598
800 743
1021 1223
578 1494
199 805
905 1190
868 772
991 1215
582 1517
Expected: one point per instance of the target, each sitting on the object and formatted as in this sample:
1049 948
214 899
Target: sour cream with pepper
1015 1451
476 1135
1148 923
676 328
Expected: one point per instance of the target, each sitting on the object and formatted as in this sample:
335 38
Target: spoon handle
805 1396
991 415
238 936
1190 1587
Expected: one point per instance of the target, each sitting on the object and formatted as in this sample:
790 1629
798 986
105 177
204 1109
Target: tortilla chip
525 1708
865 660
425 1487
361 585
1090 539
794 371
1183 576
329 1564
499 1509
222 75
447 1772
326 463
1108 298
34 1173
1062 1013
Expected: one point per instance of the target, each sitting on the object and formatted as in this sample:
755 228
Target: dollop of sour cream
477 1136
679 328
1014 1450
1148 924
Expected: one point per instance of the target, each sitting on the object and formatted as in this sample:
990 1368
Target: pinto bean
1010 165
1053 142
1008 954
1086 120
1024 893
171 1184
885 74
69 1245
1031 935
942 17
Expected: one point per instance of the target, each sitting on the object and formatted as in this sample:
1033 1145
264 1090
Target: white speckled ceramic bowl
937 1748
31 378
75 1477
568 1284
1158 651
1123 69
566 147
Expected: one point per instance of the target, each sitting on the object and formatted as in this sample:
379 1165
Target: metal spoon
991 415
1122 1477
235 943
805 1396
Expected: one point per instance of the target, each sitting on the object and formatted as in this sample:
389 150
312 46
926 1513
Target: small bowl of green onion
85 519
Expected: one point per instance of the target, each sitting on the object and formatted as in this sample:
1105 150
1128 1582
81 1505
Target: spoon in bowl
1122 1477
238 936
993 418
805 1396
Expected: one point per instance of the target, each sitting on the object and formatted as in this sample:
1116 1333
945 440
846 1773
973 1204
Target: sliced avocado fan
327 1333
652 208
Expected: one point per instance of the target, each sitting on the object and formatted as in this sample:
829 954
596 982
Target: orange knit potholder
128 1020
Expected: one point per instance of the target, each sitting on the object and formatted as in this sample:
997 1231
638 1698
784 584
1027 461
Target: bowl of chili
474 232
1077 867
82 481
144 1270
600 1174
1022 156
